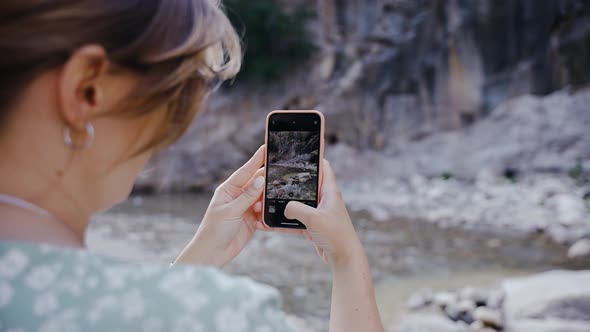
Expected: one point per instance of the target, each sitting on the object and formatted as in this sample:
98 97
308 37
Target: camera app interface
292 164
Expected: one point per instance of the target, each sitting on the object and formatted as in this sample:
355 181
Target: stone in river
489 317
477 295
555 294
579 249
420 299
444 299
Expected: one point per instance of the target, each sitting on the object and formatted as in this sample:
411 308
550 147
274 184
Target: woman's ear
80 91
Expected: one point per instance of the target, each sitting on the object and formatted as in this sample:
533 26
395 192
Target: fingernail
258 182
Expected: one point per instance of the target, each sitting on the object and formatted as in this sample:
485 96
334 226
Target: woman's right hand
328 226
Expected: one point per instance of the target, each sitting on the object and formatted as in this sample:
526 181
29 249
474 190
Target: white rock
428 322
496 299
466 306
476 326
569 208
579 249
477 295
444 299
549 294
547 325
298 324
489 317
420 299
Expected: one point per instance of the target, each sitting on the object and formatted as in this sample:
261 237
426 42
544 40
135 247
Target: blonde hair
179 48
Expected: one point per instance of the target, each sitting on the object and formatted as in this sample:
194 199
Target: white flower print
274 316
80 271
45 303
188 323
263 329
42 276
230 320
66 321
6 294
193 300
116 277
170 282
132 305
223 282
183 288
153 324
107 302
92 282
47 249
16 329
13 263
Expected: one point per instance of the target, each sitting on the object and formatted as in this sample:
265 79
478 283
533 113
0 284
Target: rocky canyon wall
391 72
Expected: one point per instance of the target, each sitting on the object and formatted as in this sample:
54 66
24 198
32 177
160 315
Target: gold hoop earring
89 137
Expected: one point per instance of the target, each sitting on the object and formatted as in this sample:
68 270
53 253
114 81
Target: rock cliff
389 73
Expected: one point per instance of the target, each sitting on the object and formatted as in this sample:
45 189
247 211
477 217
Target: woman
89 89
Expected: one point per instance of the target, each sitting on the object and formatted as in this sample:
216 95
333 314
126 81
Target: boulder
489 317
445 299
560 295
428 322
547 325
580 249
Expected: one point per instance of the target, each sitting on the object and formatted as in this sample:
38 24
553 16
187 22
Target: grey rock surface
428 322
562 295
579 249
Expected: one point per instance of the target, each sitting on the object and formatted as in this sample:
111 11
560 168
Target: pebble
579 249
466 306
452 311
478 326
420 300
489 317
476 295
496 299
444 299
137 201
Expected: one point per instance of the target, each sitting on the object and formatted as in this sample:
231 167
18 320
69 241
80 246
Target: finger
257 207
329 185
241 177
265 228
307 236
259 172
243 202
301 212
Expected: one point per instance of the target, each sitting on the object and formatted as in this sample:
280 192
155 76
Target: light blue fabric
49 289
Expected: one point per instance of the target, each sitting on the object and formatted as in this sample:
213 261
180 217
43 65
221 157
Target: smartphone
294 150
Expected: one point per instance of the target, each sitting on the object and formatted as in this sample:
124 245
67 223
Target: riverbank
405 256
524 169
553 301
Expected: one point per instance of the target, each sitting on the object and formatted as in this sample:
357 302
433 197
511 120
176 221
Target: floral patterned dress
50 289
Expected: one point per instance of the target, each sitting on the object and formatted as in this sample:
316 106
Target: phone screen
292 165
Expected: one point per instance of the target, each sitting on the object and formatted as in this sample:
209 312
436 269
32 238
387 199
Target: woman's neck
36 182
23 225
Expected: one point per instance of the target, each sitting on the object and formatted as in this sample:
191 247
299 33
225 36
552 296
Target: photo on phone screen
293 156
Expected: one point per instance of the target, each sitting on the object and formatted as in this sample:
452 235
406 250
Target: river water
404 256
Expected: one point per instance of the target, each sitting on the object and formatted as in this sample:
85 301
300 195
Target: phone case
320 167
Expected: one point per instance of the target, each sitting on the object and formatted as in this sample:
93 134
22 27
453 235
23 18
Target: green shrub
446 176
576 172
275 41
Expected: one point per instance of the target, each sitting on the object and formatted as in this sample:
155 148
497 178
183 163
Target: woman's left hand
231 218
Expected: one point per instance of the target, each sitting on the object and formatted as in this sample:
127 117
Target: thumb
301 212
239 205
